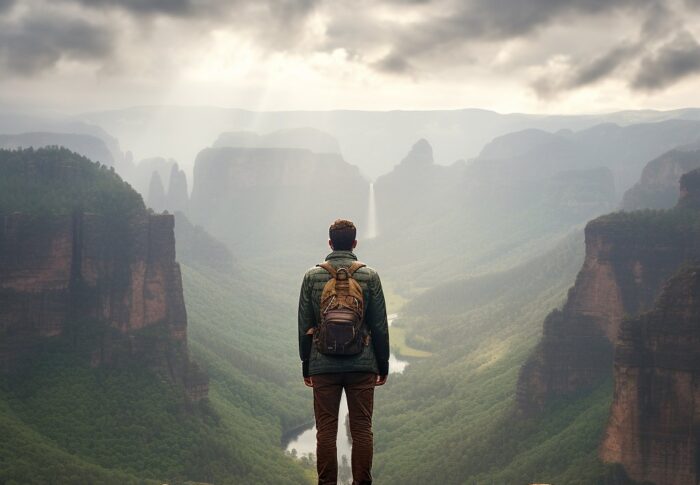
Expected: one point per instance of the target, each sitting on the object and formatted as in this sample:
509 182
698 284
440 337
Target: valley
507 278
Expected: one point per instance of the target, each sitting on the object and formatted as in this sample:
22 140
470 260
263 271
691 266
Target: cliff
156 193
629 256
178 197
658 185
653 428
275 202
690 190
97 271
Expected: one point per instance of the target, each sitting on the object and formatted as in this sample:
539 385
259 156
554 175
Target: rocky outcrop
104 284
177 199
399 210
629 256
156 193
654 424
421 154
658 186
141 175
690 190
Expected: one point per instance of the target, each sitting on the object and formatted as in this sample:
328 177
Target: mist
524 179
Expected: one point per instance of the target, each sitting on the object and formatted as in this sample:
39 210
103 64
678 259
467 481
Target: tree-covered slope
451 418
50 181
68 417
243 330
112 425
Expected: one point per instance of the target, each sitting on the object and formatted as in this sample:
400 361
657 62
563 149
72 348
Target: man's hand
381 380
308 382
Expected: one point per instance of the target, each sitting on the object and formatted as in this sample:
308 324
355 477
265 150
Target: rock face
106 285
272 201
398 207
421 154
116 291
629 256
141 174
658 186
654 423
177 199
156 193
690 190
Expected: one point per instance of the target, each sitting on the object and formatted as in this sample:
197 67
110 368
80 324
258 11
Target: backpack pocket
339 334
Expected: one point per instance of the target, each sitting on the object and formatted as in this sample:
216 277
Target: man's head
342 235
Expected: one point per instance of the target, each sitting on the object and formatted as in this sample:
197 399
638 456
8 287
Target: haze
523 174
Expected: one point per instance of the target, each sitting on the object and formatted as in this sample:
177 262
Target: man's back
356 374
375 356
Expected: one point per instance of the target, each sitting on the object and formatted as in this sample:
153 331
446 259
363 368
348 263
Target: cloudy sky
562 56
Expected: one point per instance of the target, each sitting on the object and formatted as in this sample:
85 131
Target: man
357 374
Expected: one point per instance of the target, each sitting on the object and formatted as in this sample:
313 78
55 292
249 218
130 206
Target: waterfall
372 215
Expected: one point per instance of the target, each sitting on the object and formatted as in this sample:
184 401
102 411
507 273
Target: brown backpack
339 330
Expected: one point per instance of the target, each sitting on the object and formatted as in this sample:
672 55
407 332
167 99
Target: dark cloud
673 61
393 64
215 10
448 32
503 19
585 73
660 62
6 4
496 20
37 43
434 35
168 7
602 66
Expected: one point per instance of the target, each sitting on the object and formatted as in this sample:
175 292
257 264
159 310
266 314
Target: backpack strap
328 267
355 266
351 270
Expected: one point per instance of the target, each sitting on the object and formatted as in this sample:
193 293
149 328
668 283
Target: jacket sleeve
378 325
305 321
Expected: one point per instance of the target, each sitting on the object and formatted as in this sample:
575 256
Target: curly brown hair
342 234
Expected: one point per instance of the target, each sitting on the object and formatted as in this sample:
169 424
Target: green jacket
374 357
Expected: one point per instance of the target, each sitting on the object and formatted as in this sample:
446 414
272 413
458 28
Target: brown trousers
359 392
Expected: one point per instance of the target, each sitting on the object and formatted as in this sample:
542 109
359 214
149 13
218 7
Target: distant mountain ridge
483 210
311 139
372 140
623 149
87 145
